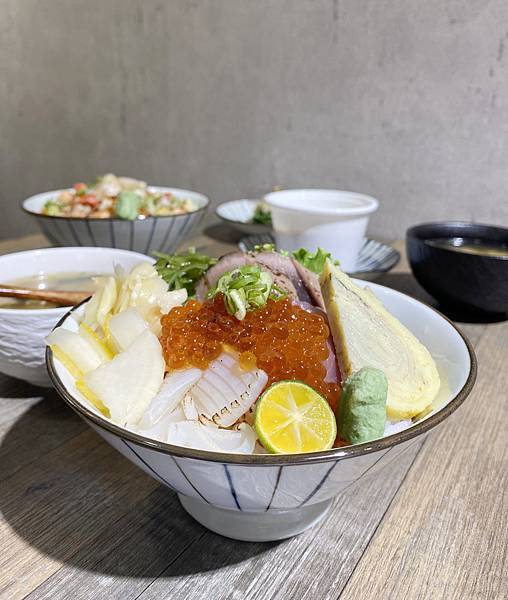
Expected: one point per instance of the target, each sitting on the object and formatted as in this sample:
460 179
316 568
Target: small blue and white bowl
239 214
264 497
148 235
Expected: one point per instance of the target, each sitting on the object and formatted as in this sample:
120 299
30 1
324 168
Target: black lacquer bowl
461 281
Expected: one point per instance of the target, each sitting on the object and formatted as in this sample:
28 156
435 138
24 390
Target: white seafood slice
160 430
175 386
189 409
127 383
226 391
125 327
192 434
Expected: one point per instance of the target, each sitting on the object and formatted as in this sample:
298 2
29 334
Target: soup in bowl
24 324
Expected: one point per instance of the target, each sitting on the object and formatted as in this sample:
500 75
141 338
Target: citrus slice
291 417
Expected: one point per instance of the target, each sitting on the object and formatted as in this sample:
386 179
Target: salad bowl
146 235
263 497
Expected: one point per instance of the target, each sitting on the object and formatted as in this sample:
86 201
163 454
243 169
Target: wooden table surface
80 521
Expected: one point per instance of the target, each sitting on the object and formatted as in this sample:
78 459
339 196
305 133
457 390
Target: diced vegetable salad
119 197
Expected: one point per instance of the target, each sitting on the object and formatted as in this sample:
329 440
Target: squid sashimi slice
160 430
127 383
125 327
204 437
75 352
225 391
175 386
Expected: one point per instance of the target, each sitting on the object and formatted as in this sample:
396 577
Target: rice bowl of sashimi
259 385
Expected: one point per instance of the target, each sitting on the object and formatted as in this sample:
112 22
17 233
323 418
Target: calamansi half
291 417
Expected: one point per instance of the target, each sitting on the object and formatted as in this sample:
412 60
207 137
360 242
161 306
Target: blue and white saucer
374 259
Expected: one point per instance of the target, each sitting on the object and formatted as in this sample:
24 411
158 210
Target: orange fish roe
284 340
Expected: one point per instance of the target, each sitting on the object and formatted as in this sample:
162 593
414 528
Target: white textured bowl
162 234
22 331
239 213
333 219
270 497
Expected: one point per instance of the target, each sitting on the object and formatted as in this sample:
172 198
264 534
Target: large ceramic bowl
469 282
269 497
23 331
162 234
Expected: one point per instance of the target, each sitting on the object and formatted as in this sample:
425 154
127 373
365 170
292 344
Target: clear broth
470 246
72 281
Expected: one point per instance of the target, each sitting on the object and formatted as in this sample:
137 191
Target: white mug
335 220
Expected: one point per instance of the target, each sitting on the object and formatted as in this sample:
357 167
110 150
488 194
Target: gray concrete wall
406 100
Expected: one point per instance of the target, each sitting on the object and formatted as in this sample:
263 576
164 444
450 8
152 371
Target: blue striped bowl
162 234
264 497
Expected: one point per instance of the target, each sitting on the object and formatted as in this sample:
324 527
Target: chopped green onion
269 248
264 248
183 270
245 289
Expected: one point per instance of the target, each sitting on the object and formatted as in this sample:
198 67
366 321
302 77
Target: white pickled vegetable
128 383
101 304
143 289
75 352
125 327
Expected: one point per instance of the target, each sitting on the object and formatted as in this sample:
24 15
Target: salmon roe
282 339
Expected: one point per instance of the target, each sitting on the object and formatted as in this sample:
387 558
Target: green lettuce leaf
183 270
313 261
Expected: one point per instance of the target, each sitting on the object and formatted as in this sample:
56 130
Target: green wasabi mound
362 409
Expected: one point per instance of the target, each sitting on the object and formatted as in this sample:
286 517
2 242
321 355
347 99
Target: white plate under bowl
264 497
239 214
374 259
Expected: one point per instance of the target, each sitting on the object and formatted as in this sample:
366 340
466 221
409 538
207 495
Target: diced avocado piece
362 409
127 205
52 208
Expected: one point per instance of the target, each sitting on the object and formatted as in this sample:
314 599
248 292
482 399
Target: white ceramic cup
335 220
